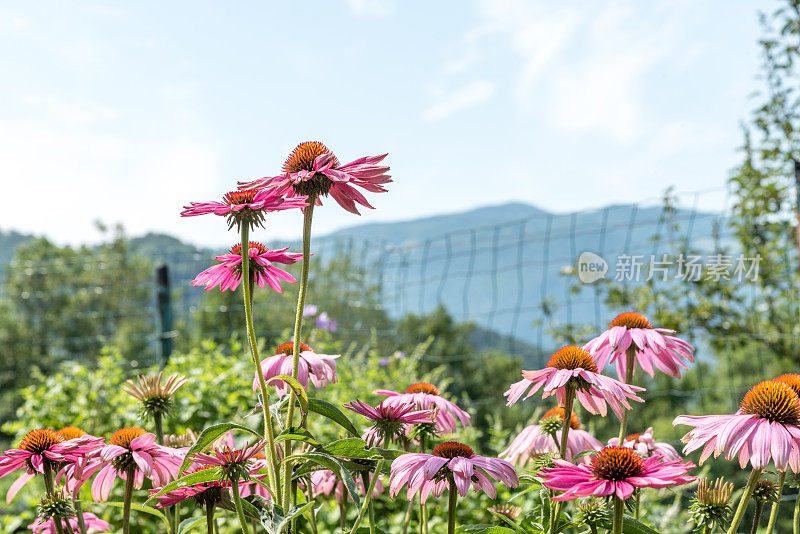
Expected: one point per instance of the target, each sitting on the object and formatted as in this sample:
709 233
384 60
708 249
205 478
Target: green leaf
299 391
206 475
332 412
485 529
142 508
544 499
209 435
351 448
188 524
515 527
329 462
634 526
297 434
293 512
530 488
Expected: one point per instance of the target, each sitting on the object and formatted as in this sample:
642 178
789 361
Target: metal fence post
164 306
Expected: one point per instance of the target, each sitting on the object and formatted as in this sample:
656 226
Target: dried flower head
710 506
156 398
177 441
506 510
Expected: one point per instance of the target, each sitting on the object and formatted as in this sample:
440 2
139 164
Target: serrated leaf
332 412
209 435
141 508
329 462
206 475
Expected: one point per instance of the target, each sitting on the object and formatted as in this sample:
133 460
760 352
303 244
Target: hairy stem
407 518
451 506
130 476
308 213
796 516
210 518
773 513
630 362
744 500
247 290
367 504
757 517
79 513
237 502
619 509
50 488
569 400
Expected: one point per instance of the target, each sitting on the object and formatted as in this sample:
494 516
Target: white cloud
468 96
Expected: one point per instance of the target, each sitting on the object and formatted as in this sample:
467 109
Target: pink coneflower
614 471
134 450
764 428
80 467
92 522
389 422
245 206
431 473
319 369
204 493
235 464
574 367
312 170
535 440
227 274
645 445
652 346
39 450
426 396
325 482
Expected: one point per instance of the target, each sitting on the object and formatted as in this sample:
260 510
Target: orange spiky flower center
617 463
39 440
303 156
791 380
631 320
237 248
124 436
423 387
572 357
71 432
234 198
775 401
633 437
287 349
452 449
558 411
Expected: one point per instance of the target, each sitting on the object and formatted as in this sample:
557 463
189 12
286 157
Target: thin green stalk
569 400
343 512
79 512
706 529
313 512
365 506
757 517
630 362
773 513
130 476
619 509
744 500
159 424
592 528
637 494
67 526
272 453
407 518
451 507
50 488
237 502
210 518
371 516
308 213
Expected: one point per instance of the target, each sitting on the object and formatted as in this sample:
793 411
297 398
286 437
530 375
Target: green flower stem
308 213
630 362
796 517
569 400
79 512
773 513
312 511
237 502
367 504
407 518
451 506
158 422
706 529
343 513
619 510
130 476
50 488
592 528
67 526
757 517
744 500
272 453
210 518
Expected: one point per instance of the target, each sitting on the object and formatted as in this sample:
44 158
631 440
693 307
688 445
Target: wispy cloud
468 96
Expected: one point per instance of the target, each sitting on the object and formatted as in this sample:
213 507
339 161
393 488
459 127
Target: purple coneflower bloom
430 473
535 440
764 428
245 206
319 369
227 274
92 522
134 449
427 396
614 471
653 346
645 445
573 366
389 421
312 170
325 482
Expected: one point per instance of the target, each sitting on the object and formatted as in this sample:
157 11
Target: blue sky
125 111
